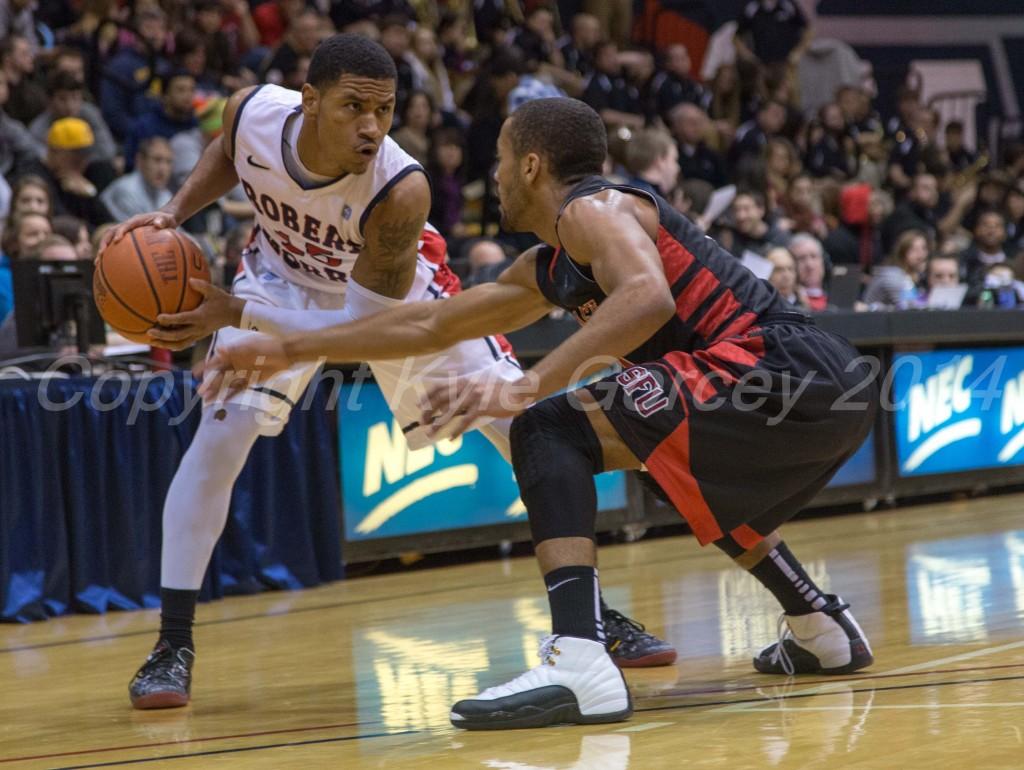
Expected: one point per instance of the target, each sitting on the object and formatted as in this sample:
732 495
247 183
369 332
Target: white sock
196 506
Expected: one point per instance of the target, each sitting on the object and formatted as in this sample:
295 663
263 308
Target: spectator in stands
31 195
54 248
487 104
652 160
147 187
445 167
24 232
26 96
70 61
190 56
772 32
858 238
801 208
999 289
1014 204
783 276
987 248
753 136
942 270
609 93
577 48
67 100
486 261
674 84
130 74
174 115
781 165
74 181
17 17
417 120
726 105
749 231
910 155
811 270
896 285
76 232
303 36
396 37
862 123
273 19
221 57
831 151
918 212
19 152
689 125
536 38
429 72
902 124
615 18
959 156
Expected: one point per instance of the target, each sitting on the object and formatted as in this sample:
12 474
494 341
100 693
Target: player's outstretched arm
416 328
213 177
604 232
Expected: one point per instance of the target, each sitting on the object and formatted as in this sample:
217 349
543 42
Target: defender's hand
451 408
237 365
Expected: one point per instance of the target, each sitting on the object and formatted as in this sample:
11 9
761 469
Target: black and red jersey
716 296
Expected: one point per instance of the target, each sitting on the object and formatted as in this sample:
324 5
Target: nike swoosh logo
257 165
561 583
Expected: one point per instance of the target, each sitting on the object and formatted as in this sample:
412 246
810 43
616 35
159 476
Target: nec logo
644 390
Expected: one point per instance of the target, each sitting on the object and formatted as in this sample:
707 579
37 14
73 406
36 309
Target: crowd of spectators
106 105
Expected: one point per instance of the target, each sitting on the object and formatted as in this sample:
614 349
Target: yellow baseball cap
70 134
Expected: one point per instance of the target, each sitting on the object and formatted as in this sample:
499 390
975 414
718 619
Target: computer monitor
53 304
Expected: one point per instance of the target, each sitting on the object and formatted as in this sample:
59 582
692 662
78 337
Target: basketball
145 274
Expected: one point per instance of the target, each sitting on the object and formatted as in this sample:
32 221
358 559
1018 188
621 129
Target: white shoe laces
779 655
548 650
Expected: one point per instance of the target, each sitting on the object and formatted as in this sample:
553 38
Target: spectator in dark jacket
175 114
130 74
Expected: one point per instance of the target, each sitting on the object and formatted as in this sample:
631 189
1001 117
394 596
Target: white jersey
307 234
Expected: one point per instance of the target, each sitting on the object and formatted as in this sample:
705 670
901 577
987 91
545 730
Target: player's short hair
565 131
349 54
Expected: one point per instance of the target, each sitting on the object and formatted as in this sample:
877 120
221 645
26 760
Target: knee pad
556 454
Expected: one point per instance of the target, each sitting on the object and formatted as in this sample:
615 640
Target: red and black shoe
165 679
629 643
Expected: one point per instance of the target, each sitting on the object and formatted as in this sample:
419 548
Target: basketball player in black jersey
739 408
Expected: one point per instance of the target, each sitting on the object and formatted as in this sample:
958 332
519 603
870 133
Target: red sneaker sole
666 658
160 700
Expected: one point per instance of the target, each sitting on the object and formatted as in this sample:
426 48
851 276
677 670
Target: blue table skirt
82 491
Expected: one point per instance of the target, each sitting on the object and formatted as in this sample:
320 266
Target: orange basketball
144 274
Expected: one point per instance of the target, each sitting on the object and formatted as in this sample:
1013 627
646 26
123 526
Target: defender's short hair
349 54
565 131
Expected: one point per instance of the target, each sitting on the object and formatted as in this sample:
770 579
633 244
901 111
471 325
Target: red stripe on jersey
746 537
669 463
674 256
433 246
747 351
700 386
738 326
722 308
551 263
724 374
694 293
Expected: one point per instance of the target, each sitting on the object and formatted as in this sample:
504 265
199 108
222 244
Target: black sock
573 595
177 612
785 577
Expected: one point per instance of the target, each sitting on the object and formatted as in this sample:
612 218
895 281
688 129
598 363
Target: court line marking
874 706
190 740
644 726
236 750
769 699
653 696
824 689
703 554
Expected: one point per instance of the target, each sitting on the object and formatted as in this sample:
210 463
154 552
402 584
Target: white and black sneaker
825 642
575 683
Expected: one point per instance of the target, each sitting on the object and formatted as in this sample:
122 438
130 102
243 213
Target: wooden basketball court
361 673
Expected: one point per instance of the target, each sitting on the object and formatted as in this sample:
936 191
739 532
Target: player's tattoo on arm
388 262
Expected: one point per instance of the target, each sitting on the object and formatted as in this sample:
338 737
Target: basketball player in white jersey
340 234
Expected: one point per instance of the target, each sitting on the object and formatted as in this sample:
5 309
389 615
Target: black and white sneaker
631 645
165 679
576 683
825 642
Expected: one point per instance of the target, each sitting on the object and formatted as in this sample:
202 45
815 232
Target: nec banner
388 490
958 410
